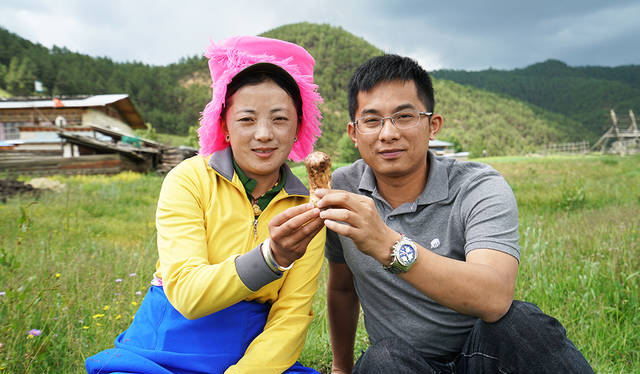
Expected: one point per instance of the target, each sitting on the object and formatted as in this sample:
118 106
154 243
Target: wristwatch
404 254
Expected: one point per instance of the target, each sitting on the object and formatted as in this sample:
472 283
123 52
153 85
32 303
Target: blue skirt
161 341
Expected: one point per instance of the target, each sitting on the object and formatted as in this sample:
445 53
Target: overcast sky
464 34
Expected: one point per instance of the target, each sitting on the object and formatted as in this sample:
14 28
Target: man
427 245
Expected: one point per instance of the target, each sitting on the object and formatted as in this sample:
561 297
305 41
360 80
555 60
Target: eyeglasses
403 119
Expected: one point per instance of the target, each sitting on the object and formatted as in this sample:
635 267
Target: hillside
171 97
584 94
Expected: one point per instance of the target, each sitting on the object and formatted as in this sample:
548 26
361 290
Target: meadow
75 265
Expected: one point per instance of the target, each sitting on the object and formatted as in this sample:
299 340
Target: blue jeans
524 340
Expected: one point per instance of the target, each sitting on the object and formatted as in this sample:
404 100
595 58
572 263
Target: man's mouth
390 153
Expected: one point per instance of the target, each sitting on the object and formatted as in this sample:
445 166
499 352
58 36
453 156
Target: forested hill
171 97
585 94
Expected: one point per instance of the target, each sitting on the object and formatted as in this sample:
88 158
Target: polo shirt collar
437 188
222 162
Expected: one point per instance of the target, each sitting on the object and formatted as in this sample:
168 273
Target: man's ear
435 124
351 129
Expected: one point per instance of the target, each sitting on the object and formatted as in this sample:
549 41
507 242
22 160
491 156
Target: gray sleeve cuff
254 271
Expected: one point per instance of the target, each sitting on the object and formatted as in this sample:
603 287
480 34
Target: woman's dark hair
263 72
387 68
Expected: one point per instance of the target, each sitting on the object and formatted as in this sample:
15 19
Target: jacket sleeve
280 344
194 287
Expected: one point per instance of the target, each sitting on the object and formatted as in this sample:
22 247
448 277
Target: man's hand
355 216
292 230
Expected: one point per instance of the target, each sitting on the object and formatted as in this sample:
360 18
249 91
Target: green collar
250 185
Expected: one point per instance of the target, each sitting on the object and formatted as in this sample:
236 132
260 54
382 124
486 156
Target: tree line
171 97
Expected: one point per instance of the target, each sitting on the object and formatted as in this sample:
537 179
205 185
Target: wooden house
33 124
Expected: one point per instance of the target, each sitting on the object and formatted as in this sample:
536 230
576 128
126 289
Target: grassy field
75 265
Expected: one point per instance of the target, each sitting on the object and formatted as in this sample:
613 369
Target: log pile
10 187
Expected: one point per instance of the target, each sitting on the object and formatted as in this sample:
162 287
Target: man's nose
389 131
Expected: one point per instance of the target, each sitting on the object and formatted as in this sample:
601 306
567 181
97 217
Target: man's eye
371 120
404 116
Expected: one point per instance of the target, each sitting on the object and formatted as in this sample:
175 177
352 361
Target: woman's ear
225 130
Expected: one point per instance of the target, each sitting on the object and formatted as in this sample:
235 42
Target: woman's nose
264 130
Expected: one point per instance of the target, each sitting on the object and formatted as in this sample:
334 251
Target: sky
456 34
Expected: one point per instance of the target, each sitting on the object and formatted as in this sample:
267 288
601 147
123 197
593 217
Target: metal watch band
396 266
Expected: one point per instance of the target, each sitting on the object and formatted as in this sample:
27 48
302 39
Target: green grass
76 264
172 139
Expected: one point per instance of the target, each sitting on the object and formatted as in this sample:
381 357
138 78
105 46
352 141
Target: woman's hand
292 230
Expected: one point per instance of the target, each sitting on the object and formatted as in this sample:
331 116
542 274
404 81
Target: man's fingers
342 215
340 228
343 199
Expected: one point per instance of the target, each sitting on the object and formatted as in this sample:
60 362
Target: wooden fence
577 147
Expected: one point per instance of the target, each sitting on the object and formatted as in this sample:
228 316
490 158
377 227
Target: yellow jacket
204 222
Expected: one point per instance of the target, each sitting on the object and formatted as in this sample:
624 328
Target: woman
240 247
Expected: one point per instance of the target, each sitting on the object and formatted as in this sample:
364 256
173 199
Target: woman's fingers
292 230
287 214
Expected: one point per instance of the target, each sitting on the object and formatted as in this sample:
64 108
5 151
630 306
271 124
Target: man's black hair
386 68
263 72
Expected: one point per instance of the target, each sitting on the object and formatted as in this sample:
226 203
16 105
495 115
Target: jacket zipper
255 229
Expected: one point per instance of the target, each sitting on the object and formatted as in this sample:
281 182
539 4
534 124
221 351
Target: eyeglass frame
382 120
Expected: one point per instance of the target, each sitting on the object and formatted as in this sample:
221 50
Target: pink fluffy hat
235 54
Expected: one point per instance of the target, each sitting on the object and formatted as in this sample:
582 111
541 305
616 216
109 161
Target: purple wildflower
118 280
35 332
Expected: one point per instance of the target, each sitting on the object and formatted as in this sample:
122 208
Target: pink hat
235 54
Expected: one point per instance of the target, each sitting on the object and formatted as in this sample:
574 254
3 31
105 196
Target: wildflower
118 280
106 307
118 317
134 303
138 292
35 332
57 275
132 274
85 327
99 324
2 293
99 315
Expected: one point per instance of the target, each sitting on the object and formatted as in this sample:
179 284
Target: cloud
465 34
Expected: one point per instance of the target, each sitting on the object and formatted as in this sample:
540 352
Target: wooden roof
121 102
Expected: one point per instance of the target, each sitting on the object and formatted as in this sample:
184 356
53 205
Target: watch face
406 254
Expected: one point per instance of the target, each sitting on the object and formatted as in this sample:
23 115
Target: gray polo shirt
464 206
